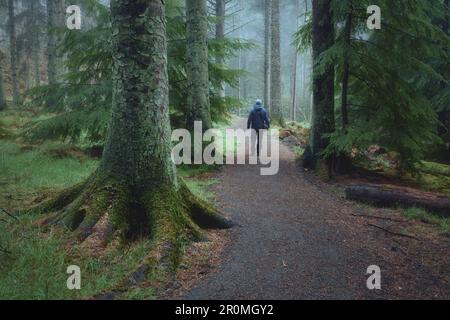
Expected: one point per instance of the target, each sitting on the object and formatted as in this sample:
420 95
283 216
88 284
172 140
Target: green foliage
83 99
390 74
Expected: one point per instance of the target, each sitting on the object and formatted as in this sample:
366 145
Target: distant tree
2 89
267 62
13 52
275 66
135 192
347 35
198 103
55 15
294 69
220 33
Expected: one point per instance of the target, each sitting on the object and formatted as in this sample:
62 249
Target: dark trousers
257 138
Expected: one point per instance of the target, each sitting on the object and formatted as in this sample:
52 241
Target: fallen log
393 196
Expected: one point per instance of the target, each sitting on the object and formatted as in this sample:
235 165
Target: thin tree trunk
323 83
346 67
13 53
52 42
198 104
36 45
2 90
294 71
267 40
220 34
294 88
446 26
275 74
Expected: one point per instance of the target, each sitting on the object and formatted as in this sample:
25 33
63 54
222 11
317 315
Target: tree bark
220 34
51 43
393 196
346 67
267 39
323 121
13 53
294 71
275 68
2 90
36 44
135 191
198 104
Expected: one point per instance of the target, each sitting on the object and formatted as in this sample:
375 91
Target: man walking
258 119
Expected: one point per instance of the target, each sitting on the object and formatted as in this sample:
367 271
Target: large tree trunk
275 67
267 39
197 64
220 33
323 83
13 53
393 196
135 191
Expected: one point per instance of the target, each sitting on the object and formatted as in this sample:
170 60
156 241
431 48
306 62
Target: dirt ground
298 238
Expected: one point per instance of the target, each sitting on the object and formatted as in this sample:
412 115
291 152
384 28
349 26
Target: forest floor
295 236
298 238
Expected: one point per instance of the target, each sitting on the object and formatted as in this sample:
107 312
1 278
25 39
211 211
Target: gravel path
295 239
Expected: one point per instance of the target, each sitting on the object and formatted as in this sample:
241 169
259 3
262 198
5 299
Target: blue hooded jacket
258 118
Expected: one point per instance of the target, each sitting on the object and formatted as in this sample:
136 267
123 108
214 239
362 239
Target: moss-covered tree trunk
13 53
323 121
267 8
275 65
135 191
198 106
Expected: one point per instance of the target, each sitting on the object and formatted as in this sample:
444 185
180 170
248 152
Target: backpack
259 112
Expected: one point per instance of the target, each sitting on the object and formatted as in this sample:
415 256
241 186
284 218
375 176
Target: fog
248 24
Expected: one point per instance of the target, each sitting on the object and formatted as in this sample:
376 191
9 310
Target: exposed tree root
102 209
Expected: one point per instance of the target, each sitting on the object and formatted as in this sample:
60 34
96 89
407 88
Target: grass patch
33 264
424 216
23 172
36 266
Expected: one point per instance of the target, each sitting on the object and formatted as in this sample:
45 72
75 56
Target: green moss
322 170
435 168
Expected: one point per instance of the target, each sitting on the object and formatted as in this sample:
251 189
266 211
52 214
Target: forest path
295 240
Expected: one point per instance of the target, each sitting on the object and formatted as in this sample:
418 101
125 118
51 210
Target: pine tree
275 65
220 33
389 78
2 90
267 39
135 192
13 53
86 89
55 15
197 64
323 81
